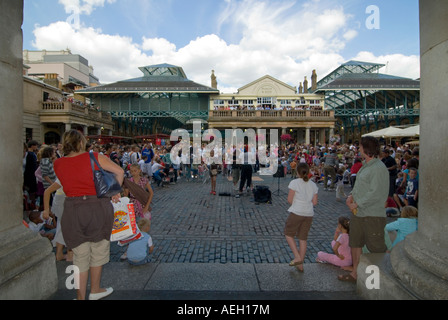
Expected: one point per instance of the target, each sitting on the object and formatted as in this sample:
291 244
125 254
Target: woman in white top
302 197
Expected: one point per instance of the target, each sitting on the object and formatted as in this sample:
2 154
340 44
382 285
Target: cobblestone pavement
191 226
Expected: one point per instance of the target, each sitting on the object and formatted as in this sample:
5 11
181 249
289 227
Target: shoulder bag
105 183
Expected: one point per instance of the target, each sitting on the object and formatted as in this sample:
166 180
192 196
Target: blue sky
241 40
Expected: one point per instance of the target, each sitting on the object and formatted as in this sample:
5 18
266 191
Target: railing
69 107
263 115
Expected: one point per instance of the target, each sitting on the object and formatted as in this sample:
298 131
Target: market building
364 100
161 100
268 103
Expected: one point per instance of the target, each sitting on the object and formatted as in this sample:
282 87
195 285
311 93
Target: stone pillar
421 260
28 267
322 136
307 135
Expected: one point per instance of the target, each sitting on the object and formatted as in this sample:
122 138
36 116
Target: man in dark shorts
366 203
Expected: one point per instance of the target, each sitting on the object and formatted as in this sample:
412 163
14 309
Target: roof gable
267 86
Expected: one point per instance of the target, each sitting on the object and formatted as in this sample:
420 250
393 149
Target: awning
385 133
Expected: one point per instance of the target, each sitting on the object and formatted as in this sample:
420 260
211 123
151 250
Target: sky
242 40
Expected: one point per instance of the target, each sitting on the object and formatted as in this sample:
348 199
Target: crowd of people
383 180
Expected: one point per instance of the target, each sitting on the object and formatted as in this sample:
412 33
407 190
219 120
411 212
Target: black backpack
262 194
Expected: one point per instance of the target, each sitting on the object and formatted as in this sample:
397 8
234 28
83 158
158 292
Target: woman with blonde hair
87 220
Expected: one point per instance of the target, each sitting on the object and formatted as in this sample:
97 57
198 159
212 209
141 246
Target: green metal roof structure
359 94
164 91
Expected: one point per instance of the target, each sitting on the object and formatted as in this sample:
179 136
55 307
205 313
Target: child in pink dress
142 210
342 256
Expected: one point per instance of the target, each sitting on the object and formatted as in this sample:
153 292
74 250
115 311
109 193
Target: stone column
421 260
28 267
307 135
322 136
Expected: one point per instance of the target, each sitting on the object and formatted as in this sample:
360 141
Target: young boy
293 169
139 250
411 193
46 228
340 194
143 166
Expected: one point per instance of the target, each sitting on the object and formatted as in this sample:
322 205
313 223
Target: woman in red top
87 220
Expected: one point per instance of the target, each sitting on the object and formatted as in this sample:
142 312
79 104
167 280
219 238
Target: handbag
106 185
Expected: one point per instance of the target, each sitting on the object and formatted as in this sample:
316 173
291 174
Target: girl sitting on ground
342 256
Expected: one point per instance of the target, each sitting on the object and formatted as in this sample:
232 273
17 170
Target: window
285 103
265 100
234 103
219 103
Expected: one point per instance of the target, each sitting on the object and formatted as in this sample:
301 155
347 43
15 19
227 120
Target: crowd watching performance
360 174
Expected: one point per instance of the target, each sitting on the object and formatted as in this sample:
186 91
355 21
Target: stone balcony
56 107
273 117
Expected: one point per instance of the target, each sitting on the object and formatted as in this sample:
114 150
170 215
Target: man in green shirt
367 203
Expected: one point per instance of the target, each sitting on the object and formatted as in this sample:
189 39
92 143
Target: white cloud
396 64
83 6
113 57
268 38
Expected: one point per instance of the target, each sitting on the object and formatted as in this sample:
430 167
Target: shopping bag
125 225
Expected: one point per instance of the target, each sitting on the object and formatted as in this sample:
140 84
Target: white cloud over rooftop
270 38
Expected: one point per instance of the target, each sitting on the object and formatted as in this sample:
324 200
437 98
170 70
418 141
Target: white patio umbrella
385 133
410 132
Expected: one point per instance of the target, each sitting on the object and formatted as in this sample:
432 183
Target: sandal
295 264
347 278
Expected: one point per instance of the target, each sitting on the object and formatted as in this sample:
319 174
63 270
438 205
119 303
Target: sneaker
124 256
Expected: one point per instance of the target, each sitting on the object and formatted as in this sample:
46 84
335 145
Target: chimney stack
314 81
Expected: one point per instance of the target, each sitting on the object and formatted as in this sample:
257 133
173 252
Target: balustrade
51 107
271 114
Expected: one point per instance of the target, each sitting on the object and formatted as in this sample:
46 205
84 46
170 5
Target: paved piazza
191 226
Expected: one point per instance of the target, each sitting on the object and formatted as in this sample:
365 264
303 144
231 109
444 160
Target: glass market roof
156 78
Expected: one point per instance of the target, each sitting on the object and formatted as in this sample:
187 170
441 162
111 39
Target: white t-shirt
156 166
304 192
